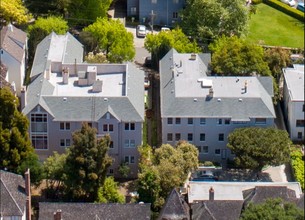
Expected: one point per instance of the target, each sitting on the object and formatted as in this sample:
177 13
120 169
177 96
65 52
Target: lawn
272 27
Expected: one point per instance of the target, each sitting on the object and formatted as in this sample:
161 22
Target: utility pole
152 17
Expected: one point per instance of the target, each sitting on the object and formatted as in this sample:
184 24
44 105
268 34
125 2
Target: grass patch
272 27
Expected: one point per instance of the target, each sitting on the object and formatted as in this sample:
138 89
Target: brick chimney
57 215
211 194
28 194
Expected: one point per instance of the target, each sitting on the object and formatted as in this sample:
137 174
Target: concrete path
277 174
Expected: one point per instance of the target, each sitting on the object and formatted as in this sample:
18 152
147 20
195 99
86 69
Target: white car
289 2
141 31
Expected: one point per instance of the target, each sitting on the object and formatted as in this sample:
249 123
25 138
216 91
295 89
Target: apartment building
293 96
204 109
65 92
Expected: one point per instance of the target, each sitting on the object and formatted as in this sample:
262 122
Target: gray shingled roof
81 211
73 51
175 208
217 210
182 94
13 198
12 40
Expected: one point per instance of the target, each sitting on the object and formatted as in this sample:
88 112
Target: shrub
297 163
286 9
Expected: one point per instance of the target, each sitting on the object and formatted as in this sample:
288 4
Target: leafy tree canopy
112 39
163 170
16 151
208 19
237 57
13 11
256 147
159 44
109 193
86 164
273 209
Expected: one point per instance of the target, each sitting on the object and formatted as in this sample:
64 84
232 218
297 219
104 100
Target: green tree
96 58
16 151
207 19
237 57
84 12
42 28
86 164
273 209
109 193
13 11
256 147
166 168
113 40
51 7
159 44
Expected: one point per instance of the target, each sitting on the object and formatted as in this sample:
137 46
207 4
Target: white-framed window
130 126
219 121
177 137
217 151
108 127
202 121
205 149
169 137
299 123
64 126
65 142
260 120
300 135
189 121
178 121
129 159
190 137
202 137
39 123
175 15
227 121
154 1
133 10
169 121
221 137
40 141
130 143
111 171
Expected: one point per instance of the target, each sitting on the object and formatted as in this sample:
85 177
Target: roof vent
193 56
218 100
240 100
195 100
105 99
64 99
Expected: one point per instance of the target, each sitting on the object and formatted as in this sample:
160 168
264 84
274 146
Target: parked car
141 31
301 6
165 29
289 2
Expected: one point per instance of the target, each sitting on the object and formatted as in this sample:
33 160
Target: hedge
286 9
297 163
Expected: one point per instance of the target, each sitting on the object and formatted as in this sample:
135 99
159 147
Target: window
133 10
64 125
40 142
205 149
177 136
221 137
108 127
129 126
62 142
260 120
154 1
169 137
110 171
202 121
175 15
217 151
65 142
178 121
111 145
303 107
227 121
130 143
169 121
300 123
202 137
39 123
219 121
68 142
300 134
129 159
190 137
190 121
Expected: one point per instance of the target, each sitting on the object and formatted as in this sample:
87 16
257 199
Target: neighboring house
15 199
163 12
65 92
13 55
204 109
81 211
293 95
